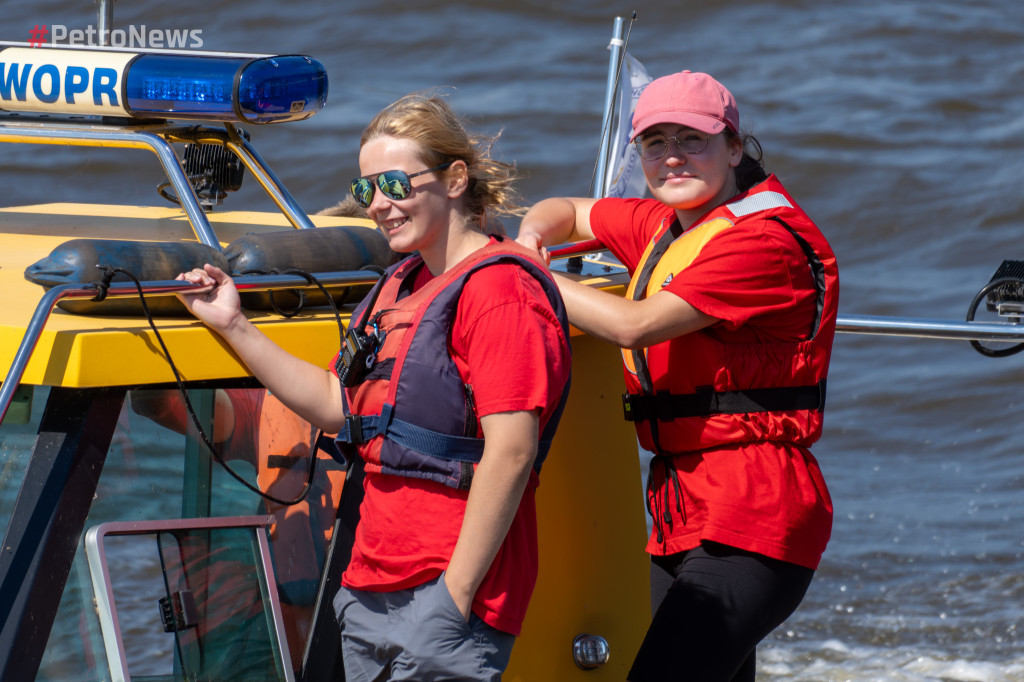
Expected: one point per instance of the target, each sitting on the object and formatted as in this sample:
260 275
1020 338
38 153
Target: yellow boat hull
594 573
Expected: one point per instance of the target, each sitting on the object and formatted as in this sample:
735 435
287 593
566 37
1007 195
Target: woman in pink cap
726 331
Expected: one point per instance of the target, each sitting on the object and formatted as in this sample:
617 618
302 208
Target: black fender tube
324 249
81 261
319 250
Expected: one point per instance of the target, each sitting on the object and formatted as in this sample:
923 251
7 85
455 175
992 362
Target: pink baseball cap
690 99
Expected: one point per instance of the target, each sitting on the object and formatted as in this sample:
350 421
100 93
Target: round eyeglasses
393 183
651 147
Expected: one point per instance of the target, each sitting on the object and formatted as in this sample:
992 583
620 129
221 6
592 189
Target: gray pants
416 634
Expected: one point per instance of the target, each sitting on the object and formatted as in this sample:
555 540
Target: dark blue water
900 128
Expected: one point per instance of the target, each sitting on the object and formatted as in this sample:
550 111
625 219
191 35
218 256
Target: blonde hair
429 121
346 208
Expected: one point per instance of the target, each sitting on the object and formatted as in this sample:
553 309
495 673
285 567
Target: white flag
625 177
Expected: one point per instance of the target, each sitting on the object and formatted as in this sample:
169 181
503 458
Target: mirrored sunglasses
393 183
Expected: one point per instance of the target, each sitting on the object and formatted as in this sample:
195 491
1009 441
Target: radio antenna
105 20
618 47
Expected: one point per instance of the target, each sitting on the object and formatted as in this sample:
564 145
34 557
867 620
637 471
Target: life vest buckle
627 408
354 426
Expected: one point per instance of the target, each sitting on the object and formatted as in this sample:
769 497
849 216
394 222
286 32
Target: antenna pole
598 183
105 19
597 186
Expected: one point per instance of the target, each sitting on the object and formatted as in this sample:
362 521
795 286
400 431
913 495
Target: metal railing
158 139
95 136
923 328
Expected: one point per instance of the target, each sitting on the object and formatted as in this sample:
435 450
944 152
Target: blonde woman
452 415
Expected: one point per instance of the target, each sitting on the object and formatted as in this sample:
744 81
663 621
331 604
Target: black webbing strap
643 374
665 406
817 272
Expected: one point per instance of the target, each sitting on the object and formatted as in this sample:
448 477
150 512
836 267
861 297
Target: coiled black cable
109 273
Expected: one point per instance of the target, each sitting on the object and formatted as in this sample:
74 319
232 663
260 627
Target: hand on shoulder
534 243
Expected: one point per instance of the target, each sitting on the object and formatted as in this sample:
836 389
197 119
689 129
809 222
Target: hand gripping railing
246 283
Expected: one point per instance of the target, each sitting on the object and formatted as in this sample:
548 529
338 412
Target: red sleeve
752 273
626 226
508 344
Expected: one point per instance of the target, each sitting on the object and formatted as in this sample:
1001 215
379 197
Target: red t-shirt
507 343
768 498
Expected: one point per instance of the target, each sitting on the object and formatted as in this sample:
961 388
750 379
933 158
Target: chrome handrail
131 138
272 185
158 140
923 328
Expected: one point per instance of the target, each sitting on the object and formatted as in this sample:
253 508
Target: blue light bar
174 85
266 90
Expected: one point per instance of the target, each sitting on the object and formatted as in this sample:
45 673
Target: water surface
899 128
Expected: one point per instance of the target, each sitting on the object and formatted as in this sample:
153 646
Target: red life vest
412 414
695 392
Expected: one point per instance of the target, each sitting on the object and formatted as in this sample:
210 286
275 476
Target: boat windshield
176 590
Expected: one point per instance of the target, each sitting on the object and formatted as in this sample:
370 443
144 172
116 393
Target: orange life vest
411 414
300 532
695 392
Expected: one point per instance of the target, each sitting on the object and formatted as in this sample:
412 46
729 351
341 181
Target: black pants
712 605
